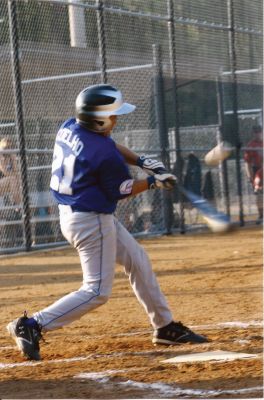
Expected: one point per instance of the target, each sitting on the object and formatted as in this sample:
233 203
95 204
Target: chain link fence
199 61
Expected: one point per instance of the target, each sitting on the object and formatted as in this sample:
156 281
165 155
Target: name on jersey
66 136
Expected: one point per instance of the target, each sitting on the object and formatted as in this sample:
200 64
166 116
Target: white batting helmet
95 104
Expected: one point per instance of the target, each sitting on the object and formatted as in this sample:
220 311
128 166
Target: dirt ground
213 284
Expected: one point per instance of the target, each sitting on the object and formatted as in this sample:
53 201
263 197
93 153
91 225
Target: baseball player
89 176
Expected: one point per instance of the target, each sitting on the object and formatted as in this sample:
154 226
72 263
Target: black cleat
176 333
26 337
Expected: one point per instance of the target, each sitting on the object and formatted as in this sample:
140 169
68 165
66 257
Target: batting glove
162 181
150 166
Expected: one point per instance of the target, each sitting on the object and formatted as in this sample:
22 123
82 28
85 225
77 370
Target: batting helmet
96 104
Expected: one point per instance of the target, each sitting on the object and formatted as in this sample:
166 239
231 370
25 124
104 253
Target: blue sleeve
114 178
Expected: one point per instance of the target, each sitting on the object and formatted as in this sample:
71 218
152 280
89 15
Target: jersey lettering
66 136
64 164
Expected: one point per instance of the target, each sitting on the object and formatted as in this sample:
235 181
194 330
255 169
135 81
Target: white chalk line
242 342
220 325
235 324
90 357
161 388
7 347
73 359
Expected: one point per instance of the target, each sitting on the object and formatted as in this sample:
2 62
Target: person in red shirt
253 157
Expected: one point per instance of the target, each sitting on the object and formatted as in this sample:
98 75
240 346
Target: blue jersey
88 171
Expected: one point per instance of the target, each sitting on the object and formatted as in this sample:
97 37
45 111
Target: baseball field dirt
213 283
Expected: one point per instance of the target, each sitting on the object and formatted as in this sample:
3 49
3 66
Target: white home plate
217 355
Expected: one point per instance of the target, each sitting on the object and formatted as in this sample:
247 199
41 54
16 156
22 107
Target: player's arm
118 184
249 171
149 165
163 181
129 155
248 166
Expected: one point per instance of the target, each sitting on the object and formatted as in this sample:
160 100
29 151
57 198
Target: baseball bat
217 220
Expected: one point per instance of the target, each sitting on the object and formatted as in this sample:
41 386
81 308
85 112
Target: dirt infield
213 283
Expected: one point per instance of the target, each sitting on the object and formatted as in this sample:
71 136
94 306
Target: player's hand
162 181
150 166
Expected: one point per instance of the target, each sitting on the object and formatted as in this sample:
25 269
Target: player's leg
94 237
259 202
142 278
146 288
258 190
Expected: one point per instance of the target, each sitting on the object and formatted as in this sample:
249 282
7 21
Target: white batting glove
150 166
162 181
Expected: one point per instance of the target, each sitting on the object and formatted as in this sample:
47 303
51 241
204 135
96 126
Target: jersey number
65 164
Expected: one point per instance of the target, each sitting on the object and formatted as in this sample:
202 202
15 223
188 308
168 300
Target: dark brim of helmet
126 108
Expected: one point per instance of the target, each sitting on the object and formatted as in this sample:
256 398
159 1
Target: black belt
82 209
79 209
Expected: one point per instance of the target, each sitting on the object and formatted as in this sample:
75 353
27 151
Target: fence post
12 14
173 70
101 38
77 25
235 126
163 133
223 165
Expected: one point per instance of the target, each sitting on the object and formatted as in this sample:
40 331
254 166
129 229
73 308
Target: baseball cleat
26 336
176 333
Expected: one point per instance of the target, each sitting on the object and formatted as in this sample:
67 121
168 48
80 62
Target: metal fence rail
193 68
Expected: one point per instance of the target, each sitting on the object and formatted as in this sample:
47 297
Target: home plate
217 355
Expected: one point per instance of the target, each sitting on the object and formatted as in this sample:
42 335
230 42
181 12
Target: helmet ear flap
97 125
100 123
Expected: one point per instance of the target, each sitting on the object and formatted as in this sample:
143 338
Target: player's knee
102 299
136 261
98 295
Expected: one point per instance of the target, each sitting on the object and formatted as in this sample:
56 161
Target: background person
253 157
89 176
10 175
10 191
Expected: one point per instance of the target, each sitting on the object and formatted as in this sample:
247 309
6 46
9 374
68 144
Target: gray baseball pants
101 241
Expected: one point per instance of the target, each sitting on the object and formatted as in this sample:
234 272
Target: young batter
89 176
